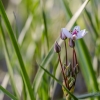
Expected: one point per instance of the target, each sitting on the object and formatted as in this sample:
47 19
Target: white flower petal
67 33
76 28
81 34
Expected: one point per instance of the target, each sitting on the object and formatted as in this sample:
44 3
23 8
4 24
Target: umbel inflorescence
69 71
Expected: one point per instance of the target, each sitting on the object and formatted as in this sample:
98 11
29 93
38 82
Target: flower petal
63 36
81 34
67 33
76 28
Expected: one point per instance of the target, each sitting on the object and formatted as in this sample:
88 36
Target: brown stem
65 51
63 71
75 56
73 64
66 58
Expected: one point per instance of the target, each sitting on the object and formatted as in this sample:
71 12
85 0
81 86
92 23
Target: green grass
31 55
15 45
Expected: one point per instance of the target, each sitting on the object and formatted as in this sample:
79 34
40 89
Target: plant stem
65 51
75 56
73 63
62 71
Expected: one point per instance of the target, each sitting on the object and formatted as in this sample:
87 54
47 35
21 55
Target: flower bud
63 36
71 43
57 48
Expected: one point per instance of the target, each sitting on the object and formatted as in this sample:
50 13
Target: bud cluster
69 71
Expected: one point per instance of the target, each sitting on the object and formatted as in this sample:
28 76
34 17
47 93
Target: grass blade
4 84
59 83
45 24
91 23
86 66
76 15
89 95
65 3
8 93
40 72
33 6
15 45
8 62
25 29
48 58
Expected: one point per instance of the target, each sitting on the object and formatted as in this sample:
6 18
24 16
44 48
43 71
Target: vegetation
28 31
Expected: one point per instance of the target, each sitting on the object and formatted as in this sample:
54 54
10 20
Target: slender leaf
8 93
14 42
33 6
91 22
89 95
86 66
45 24
59 83
76 15
65 3
4 84
25 29
40 72
8 62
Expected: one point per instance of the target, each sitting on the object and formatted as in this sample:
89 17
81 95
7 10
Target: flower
63 36
71 43
75 34
57 47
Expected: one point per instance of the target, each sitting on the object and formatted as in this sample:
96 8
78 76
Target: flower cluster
75 34
69 71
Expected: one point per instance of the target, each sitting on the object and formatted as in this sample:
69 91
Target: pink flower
75 34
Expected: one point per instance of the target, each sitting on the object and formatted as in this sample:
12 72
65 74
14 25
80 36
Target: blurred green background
36 25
